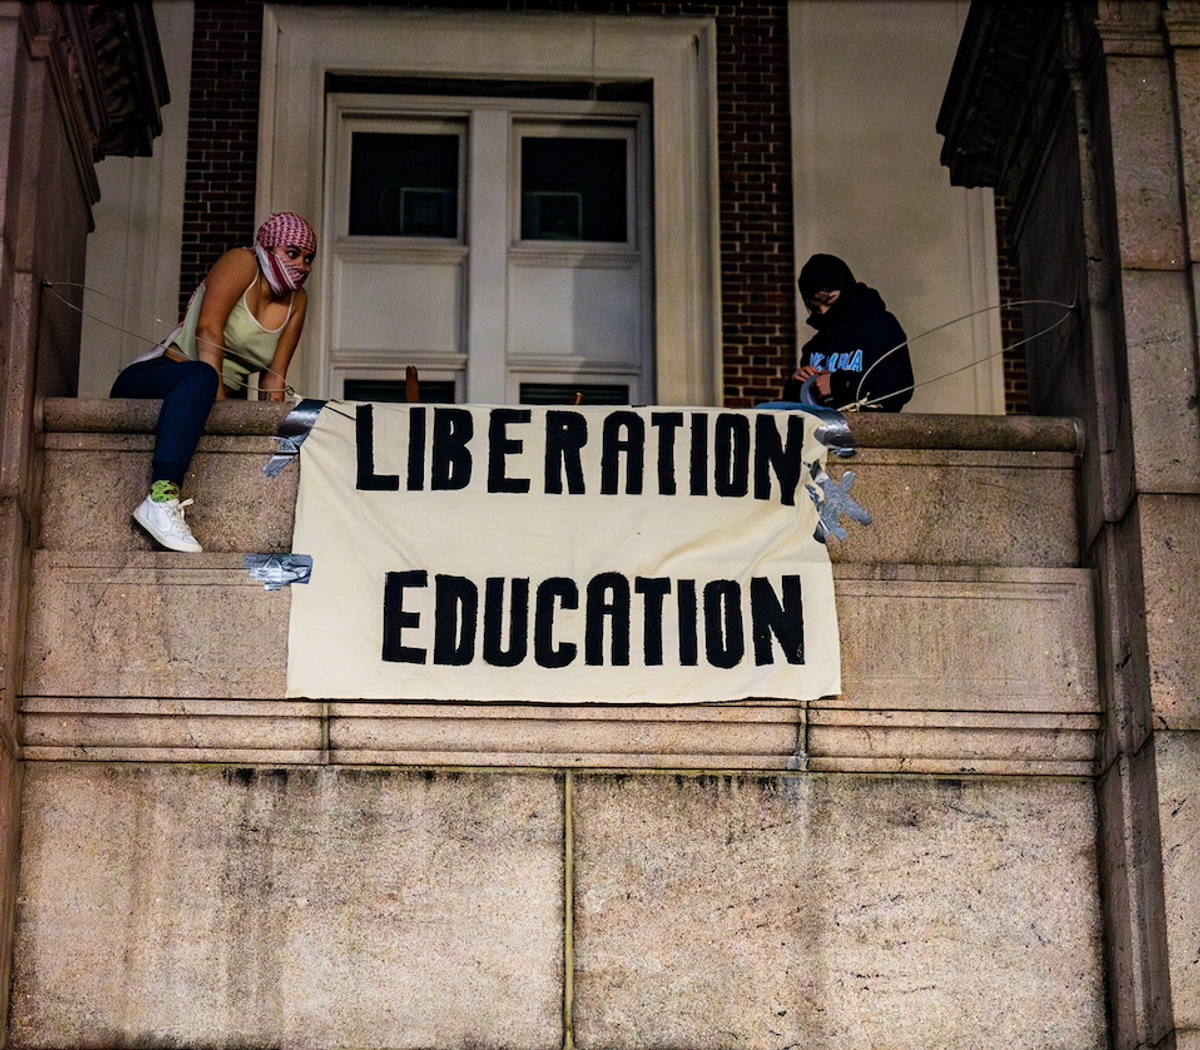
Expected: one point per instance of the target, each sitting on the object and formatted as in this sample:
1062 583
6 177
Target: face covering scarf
283 229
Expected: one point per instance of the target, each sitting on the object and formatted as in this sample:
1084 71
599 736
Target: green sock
161 491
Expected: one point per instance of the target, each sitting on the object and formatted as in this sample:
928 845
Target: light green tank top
249 347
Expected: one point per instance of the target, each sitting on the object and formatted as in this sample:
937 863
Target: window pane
403 185
564 393
432 391
573 189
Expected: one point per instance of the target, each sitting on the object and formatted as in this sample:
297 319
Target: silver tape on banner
275 571
290 435
834 431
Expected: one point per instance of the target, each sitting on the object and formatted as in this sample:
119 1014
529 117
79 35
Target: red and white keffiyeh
283 229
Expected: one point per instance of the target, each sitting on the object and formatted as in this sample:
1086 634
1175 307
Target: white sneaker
164 522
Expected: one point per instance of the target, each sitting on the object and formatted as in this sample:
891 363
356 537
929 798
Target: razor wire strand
855 405
859 402
241 384
970 364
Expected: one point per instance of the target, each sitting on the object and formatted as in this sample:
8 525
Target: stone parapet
139 655
879 867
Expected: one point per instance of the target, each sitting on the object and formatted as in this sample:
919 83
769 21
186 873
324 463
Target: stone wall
1086 120
206 864
64 102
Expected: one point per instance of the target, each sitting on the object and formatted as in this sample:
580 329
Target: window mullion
487 258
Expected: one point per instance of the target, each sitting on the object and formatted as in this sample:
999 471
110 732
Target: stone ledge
754 735
85 415
871 430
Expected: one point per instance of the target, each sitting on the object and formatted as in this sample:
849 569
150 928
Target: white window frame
302 45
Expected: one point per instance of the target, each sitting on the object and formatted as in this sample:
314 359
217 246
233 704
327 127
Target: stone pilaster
1087 118
76 81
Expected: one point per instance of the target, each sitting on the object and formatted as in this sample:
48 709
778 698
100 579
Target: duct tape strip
834 431
275 571
296 426
832 499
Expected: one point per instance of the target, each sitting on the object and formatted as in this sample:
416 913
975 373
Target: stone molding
993 98
1181 19
108 75
871 429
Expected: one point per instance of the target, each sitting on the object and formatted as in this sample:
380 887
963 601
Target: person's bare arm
223 287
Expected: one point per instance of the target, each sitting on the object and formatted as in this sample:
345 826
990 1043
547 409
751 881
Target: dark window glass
573 189
564 393
403 185
433 391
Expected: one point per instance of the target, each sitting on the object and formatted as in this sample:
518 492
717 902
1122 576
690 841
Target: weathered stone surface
155 730
961 508
977 639
1003 642
1177 759
1186 63
754 735
82 415
302 908
126 624
854 740
1122 656
1134 915
1164 414
1145 163
1170 552
236 507
917 430
11 776
684 736
839 912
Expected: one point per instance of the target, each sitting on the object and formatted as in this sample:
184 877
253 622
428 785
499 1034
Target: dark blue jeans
188 390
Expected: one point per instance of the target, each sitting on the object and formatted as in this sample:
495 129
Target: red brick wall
222 157
754 144
1012 325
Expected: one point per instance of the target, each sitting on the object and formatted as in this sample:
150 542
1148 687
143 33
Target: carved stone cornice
126 63
107 69
997 93
1182 22
49 41
1130 27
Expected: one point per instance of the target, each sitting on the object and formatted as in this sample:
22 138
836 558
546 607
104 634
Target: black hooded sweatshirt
854 334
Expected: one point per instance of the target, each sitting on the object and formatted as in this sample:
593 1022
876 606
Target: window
404 184
574 188
500 245
325 66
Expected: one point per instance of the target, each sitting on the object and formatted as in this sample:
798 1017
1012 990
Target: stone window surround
301 45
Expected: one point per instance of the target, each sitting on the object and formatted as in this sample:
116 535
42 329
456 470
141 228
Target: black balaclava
825 273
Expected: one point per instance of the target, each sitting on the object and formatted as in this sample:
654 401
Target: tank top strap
245 305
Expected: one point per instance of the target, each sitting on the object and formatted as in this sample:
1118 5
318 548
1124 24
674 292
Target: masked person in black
859 353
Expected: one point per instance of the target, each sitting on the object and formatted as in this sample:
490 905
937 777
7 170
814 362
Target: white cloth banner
614 555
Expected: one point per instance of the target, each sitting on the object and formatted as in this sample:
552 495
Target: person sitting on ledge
245 317
859 355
